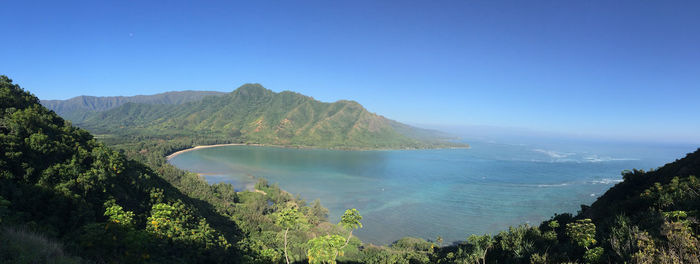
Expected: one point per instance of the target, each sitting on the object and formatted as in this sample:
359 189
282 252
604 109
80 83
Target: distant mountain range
77 108
250 114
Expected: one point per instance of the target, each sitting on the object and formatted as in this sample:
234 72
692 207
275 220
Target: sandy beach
297 147
204 146
230 144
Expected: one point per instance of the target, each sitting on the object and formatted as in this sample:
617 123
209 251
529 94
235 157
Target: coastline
172 155
231 144
202 147
168 157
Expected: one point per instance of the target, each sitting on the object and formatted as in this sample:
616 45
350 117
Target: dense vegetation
57 180
78 108
67 198
253 114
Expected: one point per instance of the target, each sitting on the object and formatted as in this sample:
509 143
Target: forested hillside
77 108
58 181
650 217
253 114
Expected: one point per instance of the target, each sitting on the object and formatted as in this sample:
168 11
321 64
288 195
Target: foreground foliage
58 180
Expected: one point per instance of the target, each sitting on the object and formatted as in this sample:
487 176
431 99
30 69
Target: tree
317 213
622 240
4 205
646 248
480 246
683 246
517 243
583 233
325 249
117 214
593 255
552 233
350 221
289 218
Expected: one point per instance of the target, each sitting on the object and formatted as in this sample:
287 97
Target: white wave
606 181
558 156
554 154
552 185
596 158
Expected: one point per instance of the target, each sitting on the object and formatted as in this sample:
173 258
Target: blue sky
608 69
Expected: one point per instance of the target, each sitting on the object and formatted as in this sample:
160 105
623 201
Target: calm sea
428 193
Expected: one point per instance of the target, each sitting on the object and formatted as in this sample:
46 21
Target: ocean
451 193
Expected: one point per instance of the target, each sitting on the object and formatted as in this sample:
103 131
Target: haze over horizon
619 69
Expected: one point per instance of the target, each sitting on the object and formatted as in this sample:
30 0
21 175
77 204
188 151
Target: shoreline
172 155
168 157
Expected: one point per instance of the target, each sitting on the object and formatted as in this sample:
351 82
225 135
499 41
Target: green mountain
77 108
253 114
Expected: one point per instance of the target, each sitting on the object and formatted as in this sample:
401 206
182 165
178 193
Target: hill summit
254 114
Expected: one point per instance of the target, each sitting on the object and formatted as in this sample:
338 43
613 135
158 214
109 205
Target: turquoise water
427 193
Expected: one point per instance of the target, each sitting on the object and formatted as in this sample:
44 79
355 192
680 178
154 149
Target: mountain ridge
254 114
79 107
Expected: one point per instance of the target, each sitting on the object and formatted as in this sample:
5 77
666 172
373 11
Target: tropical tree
325 249
583 233
551 234
350 221
117 214
480 246
289 218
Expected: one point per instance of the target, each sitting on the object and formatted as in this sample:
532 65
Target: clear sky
613 69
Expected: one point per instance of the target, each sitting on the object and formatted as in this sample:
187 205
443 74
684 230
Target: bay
441 192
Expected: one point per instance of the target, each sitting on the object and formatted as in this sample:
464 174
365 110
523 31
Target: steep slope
77 108
56 179
650 217
254 114
632 196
